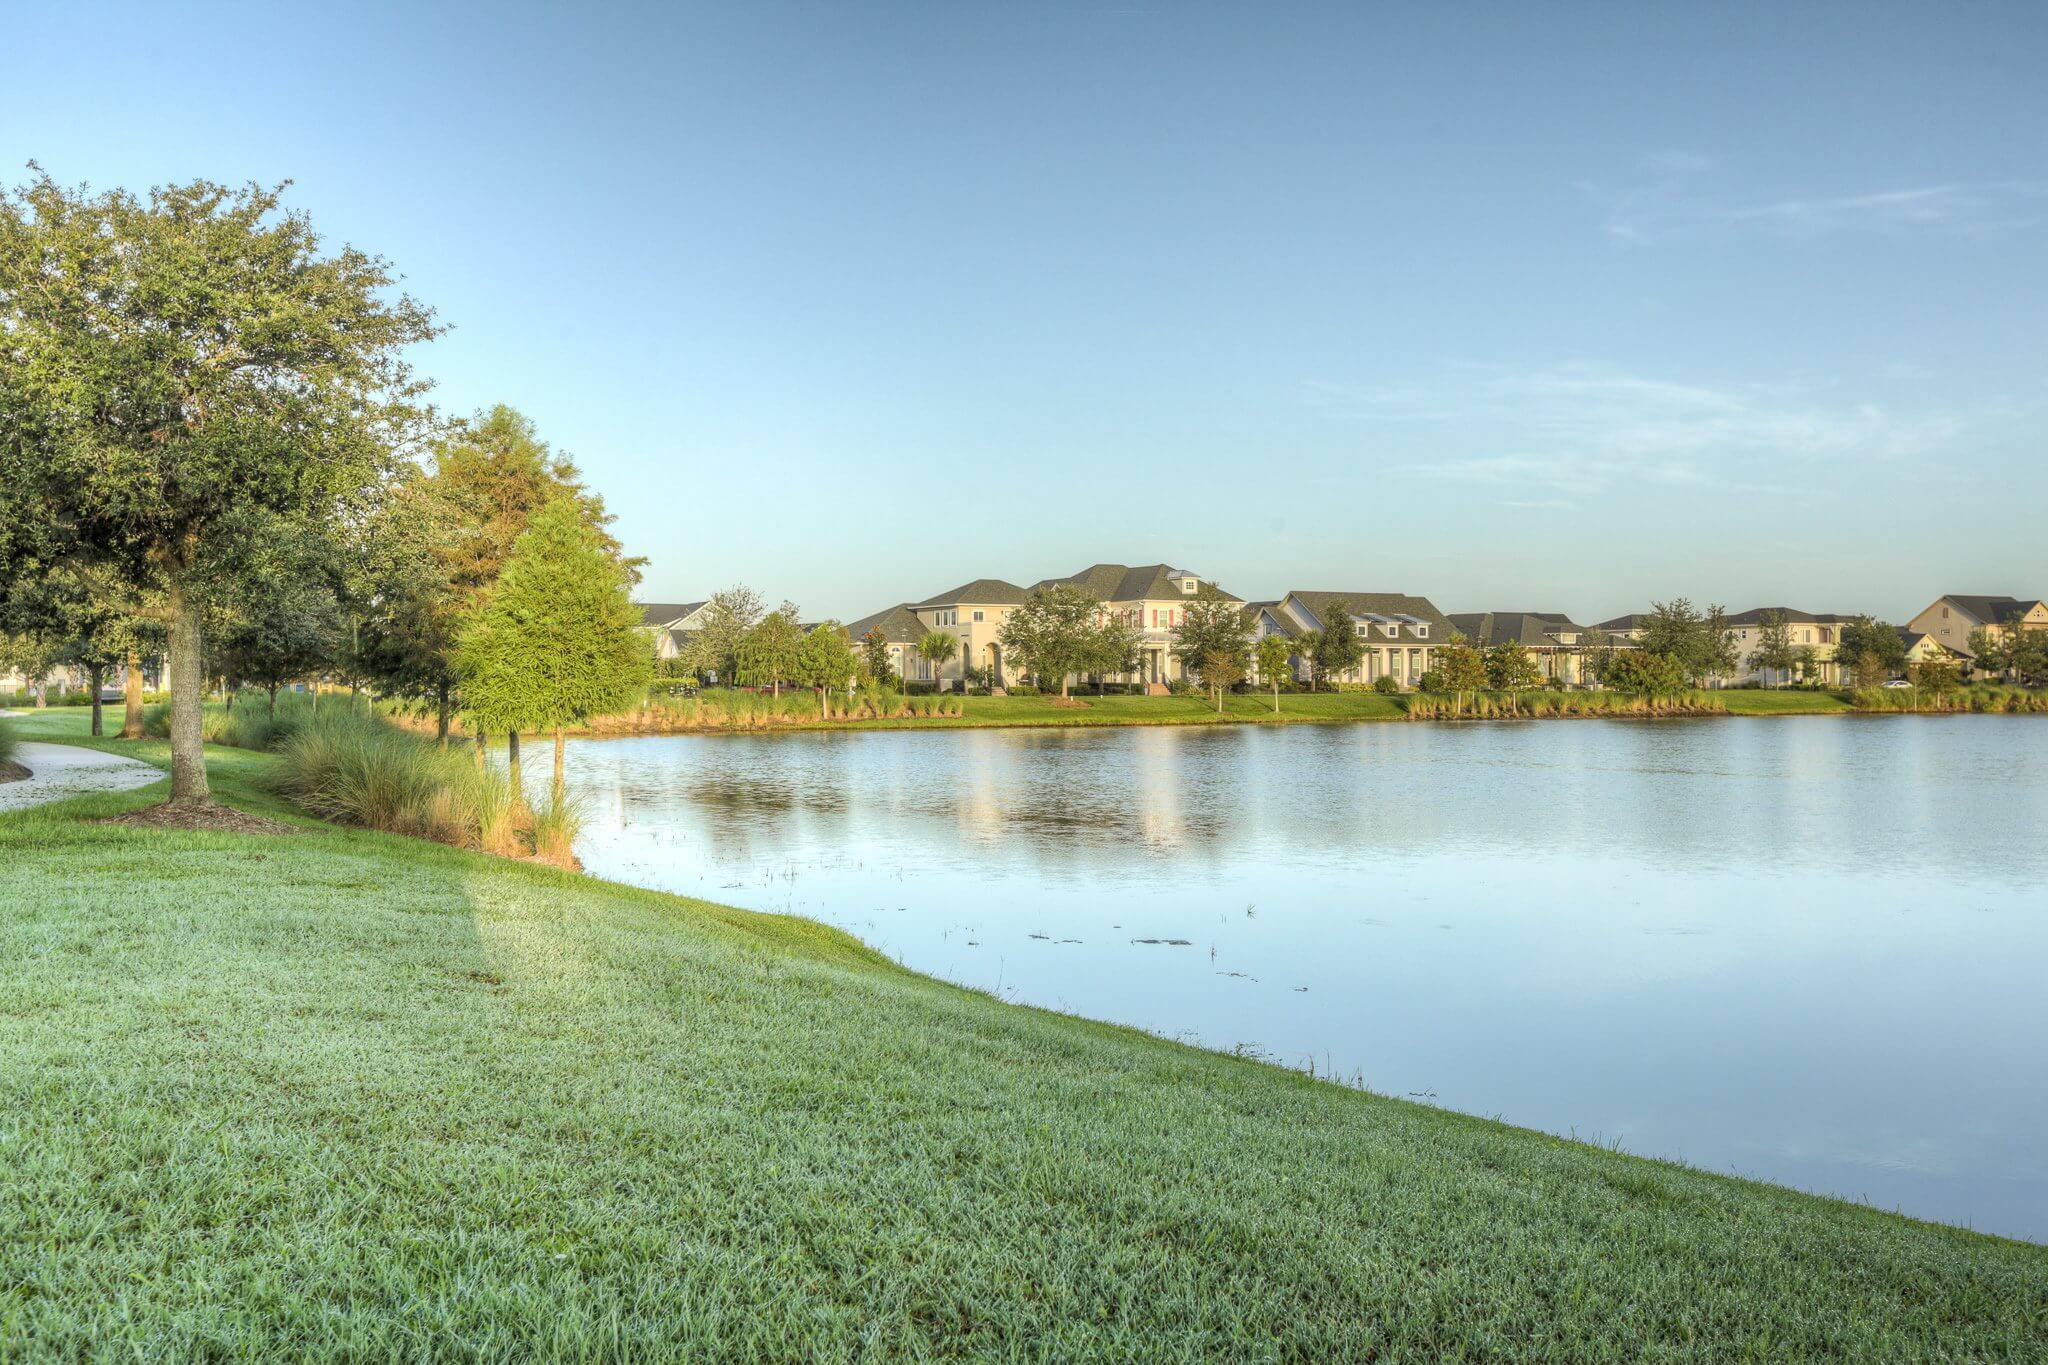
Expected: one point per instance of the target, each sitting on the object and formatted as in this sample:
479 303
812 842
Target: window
1422 630
977 616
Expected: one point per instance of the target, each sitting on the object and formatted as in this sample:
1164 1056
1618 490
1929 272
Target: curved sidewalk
57 771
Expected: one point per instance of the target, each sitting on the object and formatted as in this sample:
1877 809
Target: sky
1515 307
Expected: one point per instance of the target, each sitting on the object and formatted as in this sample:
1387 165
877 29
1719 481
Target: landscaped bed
347 1093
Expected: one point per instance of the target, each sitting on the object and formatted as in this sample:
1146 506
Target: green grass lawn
341 1094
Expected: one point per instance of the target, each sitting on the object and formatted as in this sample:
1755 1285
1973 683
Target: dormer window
1422 630
1188 586
1393 630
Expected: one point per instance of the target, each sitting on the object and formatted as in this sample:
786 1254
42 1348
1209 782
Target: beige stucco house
1151 598
1949 620
1817 631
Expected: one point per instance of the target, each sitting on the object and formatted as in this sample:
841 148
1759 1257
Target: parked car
1898 682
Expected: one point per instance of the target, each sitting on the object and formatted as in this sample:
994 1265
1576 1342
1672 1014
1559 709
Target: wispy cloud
1681 200
1583 430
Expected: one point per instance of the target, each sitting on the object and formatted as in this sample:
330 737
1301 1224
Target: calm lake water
1810 950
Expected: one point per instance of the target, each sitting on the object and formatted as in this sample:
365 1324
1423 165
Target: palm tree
938 648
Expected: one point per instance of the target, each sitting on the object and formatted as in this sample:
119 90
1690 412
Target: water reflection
1808 949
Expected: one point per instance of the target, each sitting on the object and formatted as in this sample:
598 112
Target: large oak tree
182 367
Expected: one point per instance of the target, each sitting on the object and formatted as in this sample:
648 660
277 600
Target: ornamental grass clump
9 743
1559 705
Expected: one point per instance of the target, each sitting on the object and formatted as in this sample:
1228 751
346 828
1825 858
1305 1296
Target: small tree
1596 651
1214 639
1511 668
938 648
1309 647
770 653
1338 648
1111 647
558 639
1274 652
714 650
1462 668
1865 635
1774 652
827 660
284 623
1938 676
874 652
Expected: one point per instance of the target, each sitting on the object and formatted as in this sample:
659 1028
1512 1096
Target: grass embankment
343 1093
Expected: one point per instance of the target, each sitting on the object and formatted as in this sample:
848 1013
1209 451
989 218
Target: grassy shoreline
341 1092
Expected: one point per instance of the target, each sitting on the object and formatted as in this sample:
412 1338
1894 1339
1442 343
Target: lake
1810 950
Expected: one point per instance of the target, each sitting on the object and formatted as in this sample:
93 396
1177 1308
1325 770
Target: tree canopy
557 639
183 367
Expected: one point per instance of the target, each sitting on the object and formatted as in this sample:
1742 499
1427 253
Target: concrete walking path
57 771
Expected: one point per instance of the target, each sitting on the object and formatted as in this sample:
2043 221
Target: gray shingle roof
661 613
1792 615
1992 610
899 625
1531 628
992 591
1123 583
1363 604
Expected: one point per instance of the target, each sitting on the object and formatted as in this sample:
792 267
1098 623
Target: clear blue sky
1515 306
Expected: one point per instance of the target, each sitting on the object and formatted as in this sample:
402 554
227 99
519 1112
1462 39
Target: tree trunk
96 675
441 715
315 684
478 741
273 701
131 697
560 745
1276 696
512 762
187 686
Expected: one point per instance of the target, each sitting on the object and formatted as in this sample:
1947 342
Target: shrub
1385 685
8 744
1024 689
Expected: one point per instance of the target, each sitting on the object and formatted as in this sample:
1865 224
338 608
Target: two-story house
1804 630
972 613
1150 598
1949 620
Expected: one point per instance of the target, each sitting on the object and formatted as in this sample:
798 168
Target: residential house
974 613
1819 632
1552 638
1401 633
901 628
670 623
1922 647
1951 619
1152 599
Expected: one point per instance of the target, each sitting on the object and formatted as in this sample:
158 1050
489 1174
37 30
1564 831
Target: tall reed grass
242 723
1550 705
733 710
1981 698
358 769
